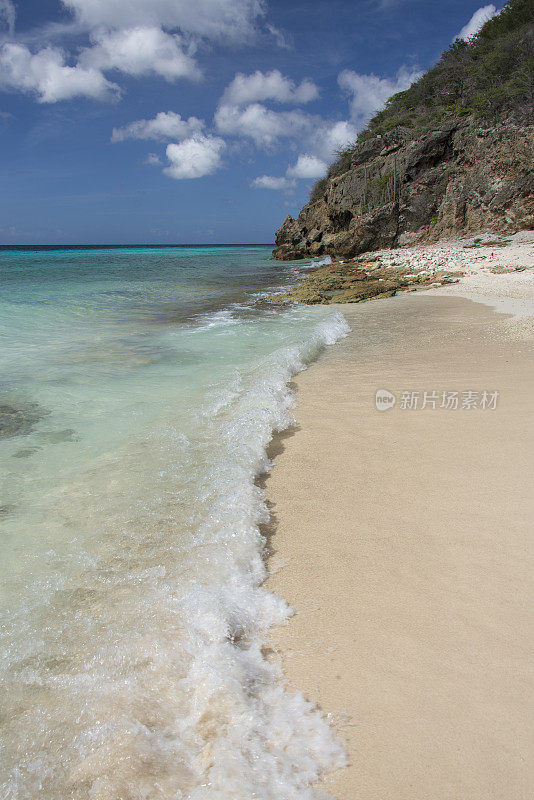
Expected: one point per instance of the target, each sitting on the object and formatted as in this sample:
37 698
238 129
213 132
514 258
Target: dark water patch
27 452
179 314
219 296
56 437
19 419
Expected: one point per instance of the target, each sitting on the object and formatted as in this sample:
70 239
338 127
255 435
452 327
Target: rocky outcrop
365 278
458 179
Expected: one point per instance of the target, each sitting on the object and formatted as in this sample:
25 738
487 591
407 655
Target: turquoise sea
139 389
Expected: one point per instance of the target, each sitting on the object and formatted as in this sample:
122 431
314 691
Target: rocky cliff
451 156
453 181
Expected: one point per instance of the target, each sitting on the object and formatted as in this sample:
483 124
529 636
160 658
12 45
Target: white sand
406 539
511 292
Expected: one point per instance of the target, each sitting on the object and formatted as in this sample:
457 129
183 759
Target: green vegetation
319 189
489 78
381 183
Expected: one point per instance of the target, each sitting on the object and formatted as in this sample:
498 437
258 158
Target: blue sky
133 121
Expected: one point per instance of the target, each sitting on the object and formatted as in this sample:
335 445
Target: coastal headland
401 536
450 156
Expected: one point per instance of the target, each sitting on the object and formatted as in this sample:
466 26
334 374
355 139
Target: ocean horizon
125 245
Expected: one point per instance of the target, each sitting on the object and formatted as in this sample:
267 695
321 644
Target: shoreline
489 266
406 629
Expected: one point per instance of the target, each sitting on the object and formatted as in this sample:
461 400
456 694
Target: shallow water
139 389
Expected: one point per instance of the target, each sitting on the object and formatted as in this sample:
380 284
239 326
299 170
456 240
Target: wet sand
402 541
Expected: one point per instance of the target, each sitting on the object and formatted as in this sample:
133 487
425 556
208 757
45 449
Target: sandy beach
401 541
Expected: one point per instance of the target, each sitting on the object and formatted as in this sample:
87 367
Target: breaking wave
135 661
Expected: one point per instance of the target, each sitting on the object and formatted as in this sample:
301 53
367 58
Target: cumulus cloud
141 51
46 75
194 153
261 86
226 20
285 185
266 128
167 125
7 15
322 139
476 22
261 124
370 93
190 154
241 115
135 37
307 167
243 112
195 157
133 51
327 138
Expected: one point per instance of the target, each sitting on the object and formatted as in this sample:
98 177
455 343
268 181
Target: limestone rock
457 180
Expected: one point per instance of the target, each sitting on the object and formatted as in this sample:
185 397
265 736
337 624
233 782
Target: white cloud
322 137
240 115
261 124
476 22
153 160
318 138
46 75
141 51
226 20
167 125
261 86
194 157
282 40
135 37
285 185
327 138
307 167
7 15
370 93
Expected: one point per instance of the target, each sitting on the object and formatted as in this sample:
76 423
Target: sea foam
134 625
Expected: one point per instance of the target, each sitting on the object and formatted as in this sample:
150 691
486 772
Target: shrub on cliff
488 78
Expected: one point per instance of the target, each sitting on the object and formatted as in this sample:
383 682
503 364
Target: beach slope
401 540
